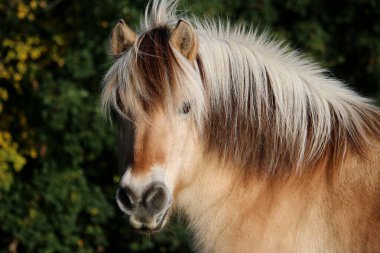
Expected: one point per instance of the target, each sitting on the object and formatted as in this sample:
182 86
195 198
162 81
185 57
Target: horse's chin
158 228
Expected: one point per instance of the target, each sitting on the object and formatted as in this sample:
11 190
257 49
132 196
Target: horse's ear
185 40
122 37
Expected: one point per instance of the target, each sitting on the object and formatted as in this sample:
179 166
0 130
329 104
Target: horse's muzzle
146 209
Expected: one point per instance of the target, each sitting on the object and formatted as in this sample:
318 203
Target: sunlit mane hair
255 102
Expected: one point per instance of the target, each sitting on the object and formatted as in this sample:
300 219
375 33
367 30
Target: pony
255 145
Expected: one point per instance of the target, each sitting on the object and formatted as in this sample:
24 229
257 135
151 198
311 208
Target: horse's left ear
185 40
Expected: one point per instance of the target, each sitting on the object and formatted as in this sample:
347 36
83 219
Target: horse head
165 145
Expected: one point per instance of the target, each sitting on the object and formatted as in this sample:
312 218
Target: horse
255 145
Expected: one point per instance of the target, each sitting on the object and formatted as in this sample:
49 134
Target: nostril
155 198
126 197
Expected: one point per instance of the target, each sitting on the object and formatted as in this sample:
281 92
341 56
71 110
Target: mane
255 102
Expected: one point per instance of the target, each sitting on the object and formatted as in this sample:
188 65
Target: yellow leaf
22 10
21 67
31 16
32 213
7 136
8 43
3 94
104 24
61 62
58 39
80 243
17 77
4 74
35 54
94 211
33 4
33 153
11 55
18 163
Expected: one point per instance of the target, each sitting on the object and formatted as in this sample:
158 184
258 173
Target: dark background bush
58 166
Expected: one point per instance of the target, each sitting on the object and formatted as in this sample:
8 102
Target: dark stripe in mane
231 133
155 65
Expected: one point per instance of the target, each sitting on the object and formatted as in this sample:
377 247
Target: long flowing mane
255 102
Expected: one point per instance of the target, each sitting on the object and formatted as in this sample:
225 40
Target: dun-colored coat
258 148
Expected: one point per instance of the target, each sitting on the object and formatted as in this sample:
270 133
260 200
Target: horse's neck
209 203
223 212
229 216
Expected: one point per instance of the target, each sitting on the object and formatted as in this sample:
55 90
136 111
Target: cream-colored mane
255 102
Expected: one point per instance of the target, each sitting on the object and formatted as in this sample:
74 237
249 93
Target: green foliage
58 170
57 211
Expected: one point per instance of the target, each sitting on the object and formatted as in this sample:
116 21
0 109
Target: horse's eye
186 108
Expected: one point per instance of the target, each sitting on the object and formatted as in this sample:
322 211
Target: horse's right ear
122 37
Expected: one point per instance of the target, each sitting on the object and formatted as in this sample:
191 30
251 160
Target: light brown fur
149 147
295 215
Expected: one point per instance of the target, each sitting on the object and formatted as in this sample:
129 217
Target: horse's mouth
146 230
